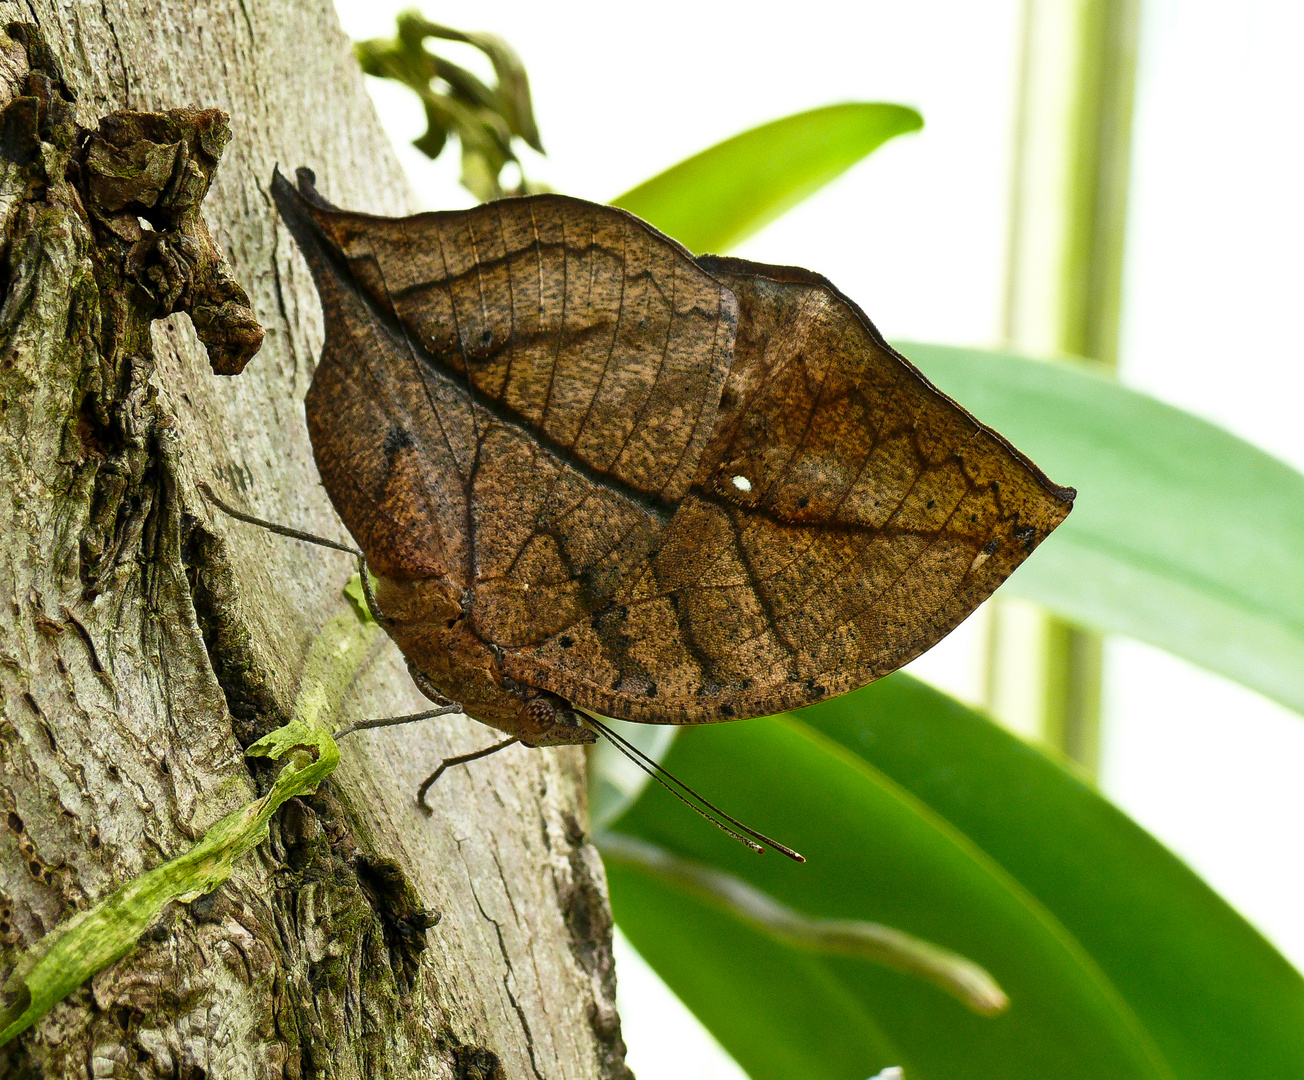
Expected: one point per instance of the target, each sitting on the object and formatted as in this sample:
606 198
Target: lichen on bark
143 642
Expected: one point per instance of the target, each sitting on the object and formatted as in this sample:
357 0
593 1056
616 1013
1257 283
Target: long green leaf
957 975
721 196
1207 987
875 853
1183 535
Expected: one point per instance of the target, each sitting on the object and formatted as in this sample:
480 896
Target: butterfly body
427 621
592 470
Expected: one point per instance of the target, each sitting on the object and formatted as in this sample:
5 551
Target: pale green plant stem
958 976
91 940
1063 296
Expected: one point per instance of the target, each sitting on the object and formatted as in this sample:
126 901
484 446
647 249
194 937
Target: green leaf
1183 535
484 118
1207 987
512 97
779 1011
718 198
876 853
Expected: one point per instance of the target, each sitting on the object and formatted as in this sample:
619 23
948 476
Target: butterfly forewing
571 360
845 516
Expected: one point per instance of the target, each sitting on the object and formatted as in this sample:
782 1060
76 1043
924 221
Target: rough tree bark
143 641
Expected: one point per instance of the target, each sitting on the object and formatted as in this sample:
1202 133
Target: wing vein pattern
672 490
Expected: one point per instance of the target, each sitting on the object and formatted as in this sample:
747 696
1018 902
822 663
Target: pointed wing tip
1064 500
303 190
282 191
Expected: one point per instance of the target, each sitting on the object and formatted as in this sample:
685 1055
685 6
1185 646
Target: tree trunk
144 641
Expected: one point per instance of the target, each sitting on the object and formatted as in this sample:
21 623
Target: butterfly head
547 720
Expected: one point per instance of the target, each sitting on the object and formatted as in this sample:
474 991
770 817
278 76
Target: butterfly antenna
752 844
657 771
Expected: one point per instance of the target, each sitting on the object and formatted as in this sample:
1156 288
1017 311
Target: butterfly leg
427 687
394 721
444 707
372 606
461 759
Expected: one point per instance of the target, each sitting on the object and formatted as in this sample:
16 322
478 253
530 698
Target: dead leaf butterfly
593 473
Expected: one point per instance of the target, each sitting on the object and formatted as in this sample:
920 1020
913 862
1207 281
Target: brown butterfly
593 472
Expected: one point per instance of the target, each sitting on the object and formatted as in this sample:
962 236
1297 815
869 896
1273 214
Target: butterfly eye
541 712
547 720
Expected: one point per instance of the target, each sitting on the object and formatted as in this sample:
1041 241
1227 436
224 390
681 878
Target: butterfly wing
531 397
517 395
844 517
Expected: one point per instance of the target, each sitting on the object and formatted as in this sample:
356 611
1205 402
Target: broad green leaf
721 196
1183 535
875 853
1208 988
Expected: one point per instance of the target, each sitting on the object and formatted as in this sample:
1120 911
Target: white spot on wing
741 483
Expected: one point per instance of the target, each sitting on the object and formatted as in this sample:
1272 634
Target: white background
916 234
1214 290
